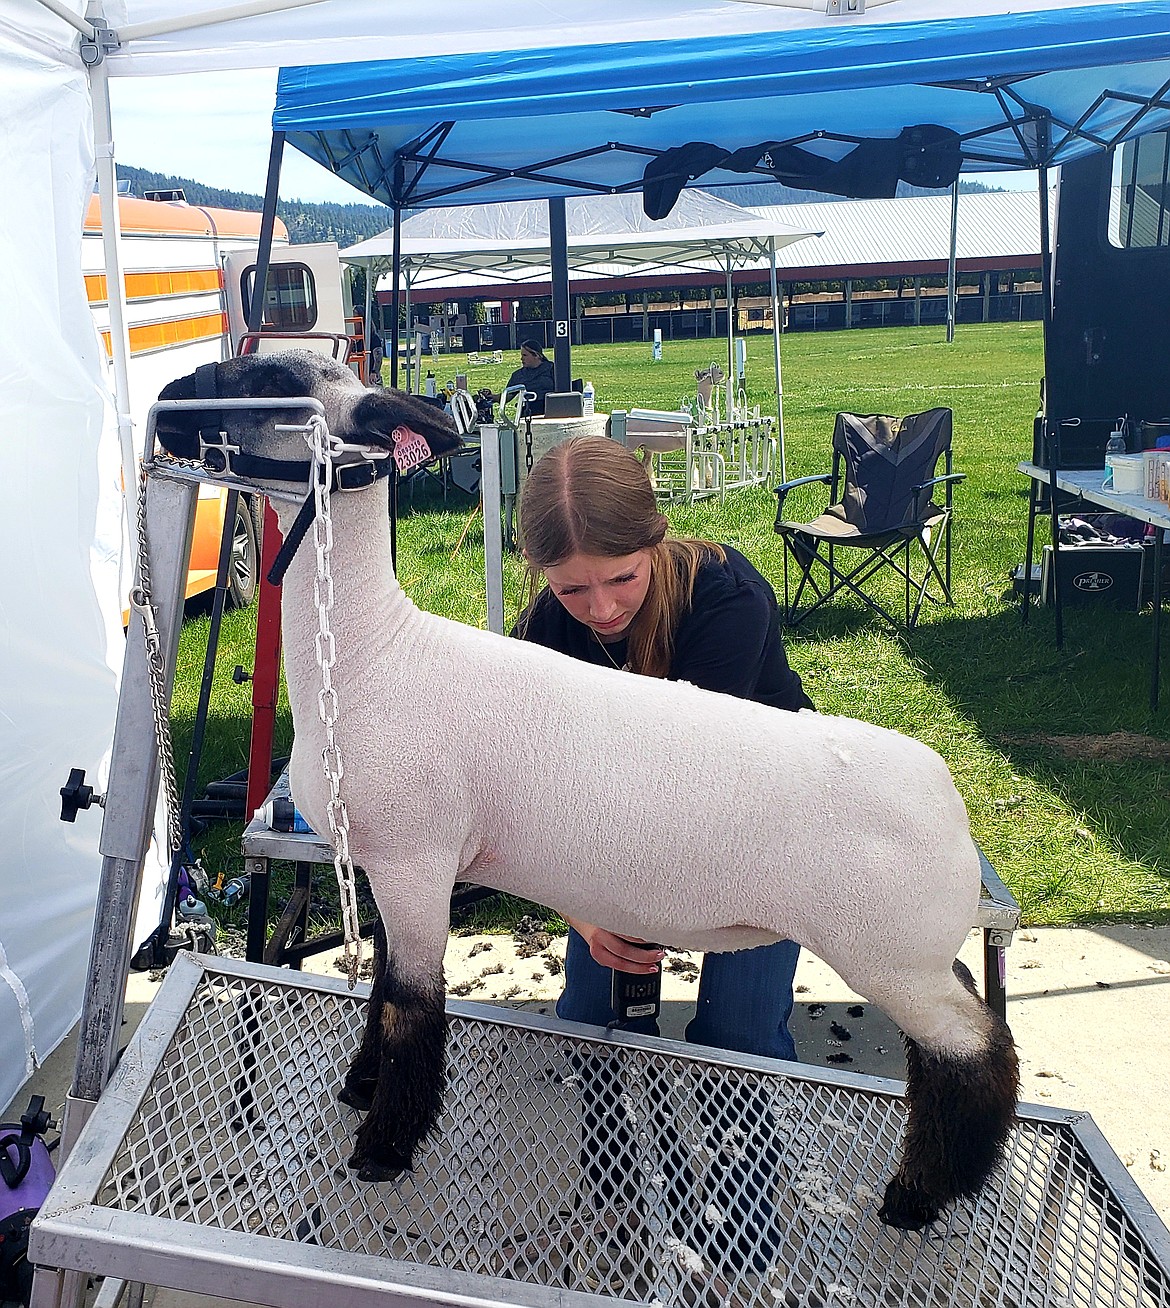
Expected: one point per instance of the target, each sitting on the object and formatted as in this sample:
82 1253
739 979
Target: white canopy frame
606 236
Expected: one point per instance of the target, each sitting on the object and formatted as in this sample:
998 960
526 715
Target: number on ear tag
410 449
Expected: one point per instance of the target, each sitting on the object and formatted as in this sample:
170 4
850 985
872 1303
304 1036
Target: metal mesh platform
571 1166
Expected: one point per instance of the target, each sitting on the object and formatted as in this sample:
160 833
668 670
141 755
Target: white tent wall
60 631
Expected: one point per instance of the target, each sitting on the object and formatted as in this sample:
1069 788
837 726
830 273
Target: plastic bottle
1116 442
587 398
189 908
431 385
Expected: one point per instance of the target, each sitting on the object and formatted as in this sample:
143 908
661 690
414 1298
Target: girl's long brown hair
590 495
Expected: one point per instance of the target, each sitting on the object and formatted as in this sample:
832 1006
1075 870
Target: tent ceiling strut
413 153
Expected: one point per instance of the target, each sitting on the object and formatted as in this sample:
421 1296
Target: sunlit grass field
1078 828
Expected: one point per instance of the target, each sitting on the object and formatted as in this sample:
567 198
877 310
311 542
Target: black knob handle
75 795
240 674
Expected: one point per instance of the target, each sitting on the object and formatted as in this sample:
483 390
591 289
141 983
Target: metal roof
997 229
997 225
608 236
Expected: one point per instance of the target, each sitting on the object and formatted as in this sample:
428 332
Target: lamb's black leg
408 1097
961 1112
362 1077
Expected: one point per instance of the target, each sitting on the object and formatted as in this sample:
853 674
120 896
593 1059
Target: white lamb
473 757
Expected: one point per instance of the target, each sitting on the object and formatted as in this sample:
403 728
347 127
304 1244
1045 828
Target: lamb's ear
373 419
178 433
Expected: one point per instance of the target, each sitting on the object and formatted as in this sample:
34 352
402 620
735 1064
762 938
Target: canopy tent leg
777 327
368 324
559 250
1046 316
409 334
115 293
395 274
730 383
952 280
490 489
267 224
266 664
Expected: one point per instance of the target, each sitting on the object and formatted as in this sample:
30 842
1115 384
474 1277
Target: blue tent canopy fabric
1024 90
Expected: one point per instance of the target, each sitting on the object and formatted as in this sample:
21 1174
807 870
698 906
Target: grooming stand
216 1163
215 1160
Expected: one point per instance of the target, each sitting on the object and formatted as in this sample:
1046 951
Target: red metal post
266 670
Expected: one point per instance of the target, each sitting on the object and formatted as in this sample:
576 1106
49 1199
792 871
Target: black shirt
539 380
728 641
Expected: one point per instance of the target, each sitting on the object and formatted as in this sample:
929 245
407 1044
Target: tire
244 569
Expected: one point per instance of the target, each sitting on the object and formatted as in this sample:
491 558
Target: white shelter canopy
608 236
160 36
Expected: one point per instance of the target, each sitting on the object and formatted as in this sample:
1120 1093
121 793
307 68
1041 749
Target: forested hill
349 223
344 223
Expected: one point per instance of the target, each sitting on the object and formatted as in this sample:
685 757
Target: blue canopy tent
978 91
1022 90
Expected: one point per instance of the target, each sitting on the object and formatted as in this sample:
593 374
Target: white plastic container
587 400
1128 472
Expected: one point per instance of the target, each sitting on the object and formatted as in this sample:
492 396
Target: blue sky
215 128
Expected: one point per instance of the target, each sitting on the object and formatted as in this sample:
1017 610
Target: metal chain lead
327 704
142 602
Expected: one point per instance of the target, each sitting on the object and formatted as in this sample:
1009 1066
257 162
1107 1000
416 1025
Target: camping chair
882 507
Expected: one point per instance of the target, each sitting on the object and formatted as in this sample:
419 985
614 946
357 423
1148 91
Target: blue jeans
744 1002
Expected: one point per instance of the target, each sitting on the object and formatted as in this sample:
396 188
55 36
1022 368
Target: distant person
377 354
535 374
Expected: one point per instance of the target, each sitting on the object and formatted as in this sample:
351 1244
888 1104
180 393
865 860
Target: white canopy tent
60 455
606 236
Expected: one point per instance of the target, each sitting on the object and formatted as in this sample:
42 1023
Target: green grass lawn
1078 828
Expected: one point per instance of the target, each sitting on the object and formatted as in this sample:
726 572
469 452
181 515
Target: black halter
351 477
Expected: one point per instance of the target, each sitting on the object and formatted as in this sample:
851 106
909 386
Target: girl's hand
622 953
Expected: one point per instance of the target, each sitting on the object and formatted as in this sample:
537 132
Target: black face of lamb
961 1113
411 1076
276 376
355 414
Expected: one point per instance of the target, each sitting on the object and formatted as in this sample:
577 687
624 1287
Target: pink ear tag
410 449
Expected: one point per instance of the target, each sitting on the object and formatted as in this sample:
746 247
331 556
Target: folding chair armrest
956 477
951 478
826 478
781 492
